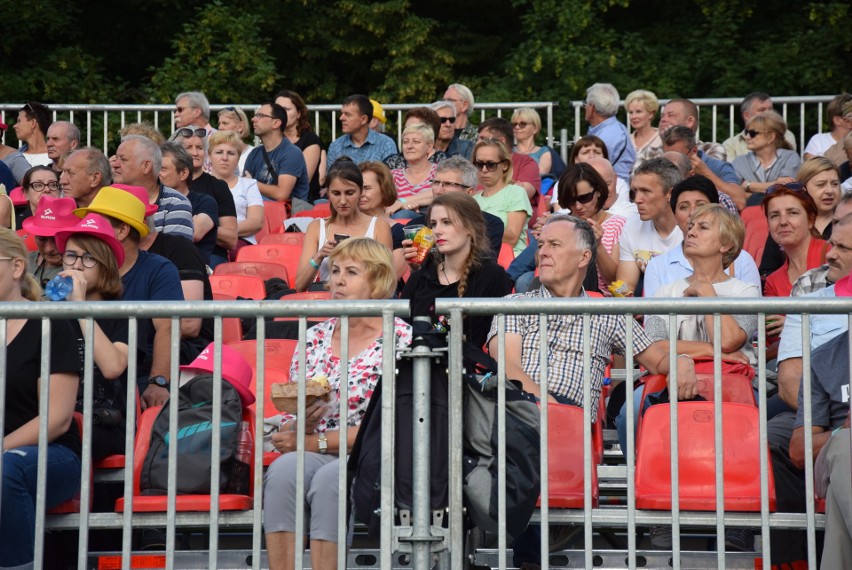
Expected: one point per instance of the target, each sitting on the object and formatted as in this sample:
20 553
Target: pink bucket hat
235 370
140 193
93 225
51 215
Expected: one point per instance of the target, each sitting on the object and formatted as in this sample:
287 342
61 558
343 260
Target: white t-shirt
246 193
241 166
40 159
640 241
819 143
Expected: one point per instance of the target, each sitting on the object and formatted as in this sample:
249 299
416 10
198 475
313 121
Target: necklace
443 267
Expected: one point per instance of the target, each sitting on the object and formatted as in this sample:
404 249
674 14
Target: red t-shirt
778 284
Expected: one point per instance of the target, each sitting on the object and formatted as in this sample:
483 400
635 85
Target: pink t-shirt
404 188
612 227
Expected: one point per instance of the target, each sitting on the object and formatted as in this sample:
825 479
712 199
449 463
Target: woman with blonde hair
224 148
462 266
526 124
769 159
361 268
414 182
641 108
21 414
499 196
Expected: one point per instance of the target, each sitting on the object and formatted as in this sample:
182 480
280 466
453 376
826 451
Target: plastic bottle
58 288
238 483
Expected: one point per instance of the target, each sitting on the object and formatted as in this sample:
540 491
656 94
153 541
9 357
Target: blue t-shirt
620 148
286 158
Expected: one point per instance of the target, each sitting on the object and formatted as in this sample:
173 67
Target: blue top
286 158
622 155
722 169
377 147
672 266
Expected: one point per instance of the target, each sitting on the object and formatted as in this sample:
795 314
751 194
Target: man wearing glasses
462 98
447 140
277 164
601 106
193 110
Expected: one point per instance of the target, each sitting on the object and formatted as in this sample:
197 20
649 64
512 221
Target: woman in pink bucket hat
51 215
235 370
91 256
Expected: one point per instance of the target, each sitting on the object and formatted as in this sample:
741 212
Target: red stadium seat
278 354
295 238
16 194
232 330
506 256
244 286
116 461
260 269
757 230
285 255
322 210
29 240
308 296
274 214
566 480
184 503
697 458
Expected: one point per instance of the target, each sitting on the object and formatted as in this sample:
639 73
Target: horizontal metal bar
163 108
737 100
617 517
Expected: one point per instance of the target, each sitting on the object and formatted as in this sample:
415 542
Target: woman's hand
736 356
284 440
409 251
78 289
775 324
596 227
699 288
396 207
536 230
326 249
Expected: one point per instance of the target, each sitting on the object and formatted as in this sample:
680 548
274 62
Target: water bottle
238 483
58 288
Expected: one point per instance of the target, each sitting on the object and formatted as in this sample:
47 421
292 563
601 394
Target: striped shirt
405 189
174 214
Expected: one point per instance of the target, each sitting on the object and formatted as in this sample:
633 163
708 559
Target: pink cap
140 193
93 225
235 370
52 215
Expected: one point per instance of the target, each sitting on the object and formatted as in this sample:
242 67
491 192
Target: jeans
621 420
17 513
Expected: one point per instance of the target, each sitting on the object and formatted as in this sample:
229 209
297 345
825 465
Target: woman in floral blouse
361 268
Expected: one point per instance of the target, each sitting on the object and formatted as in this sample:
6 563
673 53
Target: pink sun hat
235 370
51 215
94 225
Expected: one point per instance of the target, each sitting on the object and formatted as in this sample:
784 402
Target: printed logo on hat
90 223
47 214
204 355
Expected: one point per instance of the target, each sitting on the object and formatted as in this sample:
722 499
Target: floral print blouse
364 370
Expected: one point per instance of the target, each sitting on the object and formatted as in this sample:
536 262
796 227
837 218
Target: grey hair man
192 110
462 98
84 173
447 140
601 105
62 137
752 104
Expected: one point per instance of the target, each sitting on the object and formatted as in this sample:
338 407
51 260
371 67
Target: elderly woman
234 119
300 133
345 188
379 193
526 124
499 196
361 268
428 117
769 159
21 416
37 182
224 155
641 107
414 182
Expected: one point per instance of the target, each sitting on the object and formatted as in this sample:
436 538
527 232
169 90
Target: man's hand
686 379
154 396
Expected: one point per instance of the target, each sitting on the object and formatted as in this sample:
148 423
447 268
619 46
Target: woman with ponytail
461 265
21 380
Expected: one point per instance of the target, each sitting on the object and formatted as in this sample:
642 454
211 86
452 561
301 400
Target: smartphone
340 237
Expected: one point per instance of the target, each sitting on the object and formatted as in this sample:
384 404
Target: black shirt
306 140
493 225
218 189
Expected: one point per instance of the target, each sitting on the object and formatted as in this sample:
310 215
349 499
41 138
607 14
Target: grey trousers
835 458
320 501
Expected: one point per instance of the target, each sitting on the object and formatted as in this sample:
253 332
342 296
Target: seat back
295 238
697 458
29 239
260 269
757 230
17 196
278 354
506 256
286 255
232 330
566 480
274 214
244 286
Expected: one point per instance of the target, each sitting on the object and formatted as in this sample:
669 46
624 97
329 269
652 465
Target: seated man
359 142
601 105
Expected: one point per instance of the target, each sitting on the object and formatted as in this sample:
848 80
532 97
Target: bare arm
306 273
193 290
628 271
62 399
312 159
514 369
161 362
545 163
253 222
202 224
226 234
515 222
279 192
735 191
789 380
110 357
383 235
656 359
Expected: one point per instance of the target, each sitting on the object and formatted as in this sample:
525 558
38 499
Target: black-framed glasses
44 186
487 165
186 132
581 198
445 184
794 186
751 133
450 120
70 258
260 115
520 125
180 109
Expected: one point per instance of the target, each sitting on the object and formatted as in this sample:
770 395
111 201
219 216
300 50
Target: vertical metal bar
550 139
41 470
801 142
333 125
576 125
545 451
630 453
299 550
86 453
563 144
713 119
819 122
421 473
732 120
587 439
388 437
3 383
260 407
216 447
764 441
718 406
673 423
129 445
106 131
809 448
456 427
171 500
399 128
343 410
501 441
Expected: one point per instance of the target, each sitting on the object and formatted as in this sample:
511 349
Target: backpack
480 443
195 440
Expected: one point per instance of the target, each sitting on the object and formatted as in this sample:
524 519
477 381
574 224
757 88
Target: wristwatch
160 381
322 442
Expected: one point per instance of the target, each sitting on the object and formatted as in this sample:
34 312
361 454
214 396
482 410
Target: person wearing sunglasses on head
500 195
526 125
447 141
769 159
193 110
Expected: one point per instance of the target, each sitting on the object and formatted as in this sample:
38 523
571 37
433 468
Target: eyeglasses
581 198
260 115
180 109
450 120
231 109
487 165
70 258
186 132
442 183
794 186
751 133
520 125
44 187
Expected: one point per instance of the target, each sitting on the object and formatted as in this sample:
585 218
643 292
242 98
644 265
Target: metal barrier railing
426 542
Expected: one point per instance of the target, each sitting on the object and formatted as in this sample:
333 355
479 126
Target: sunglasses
794 186
450 120
186 132
751 133
581 198
487 165
520 125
